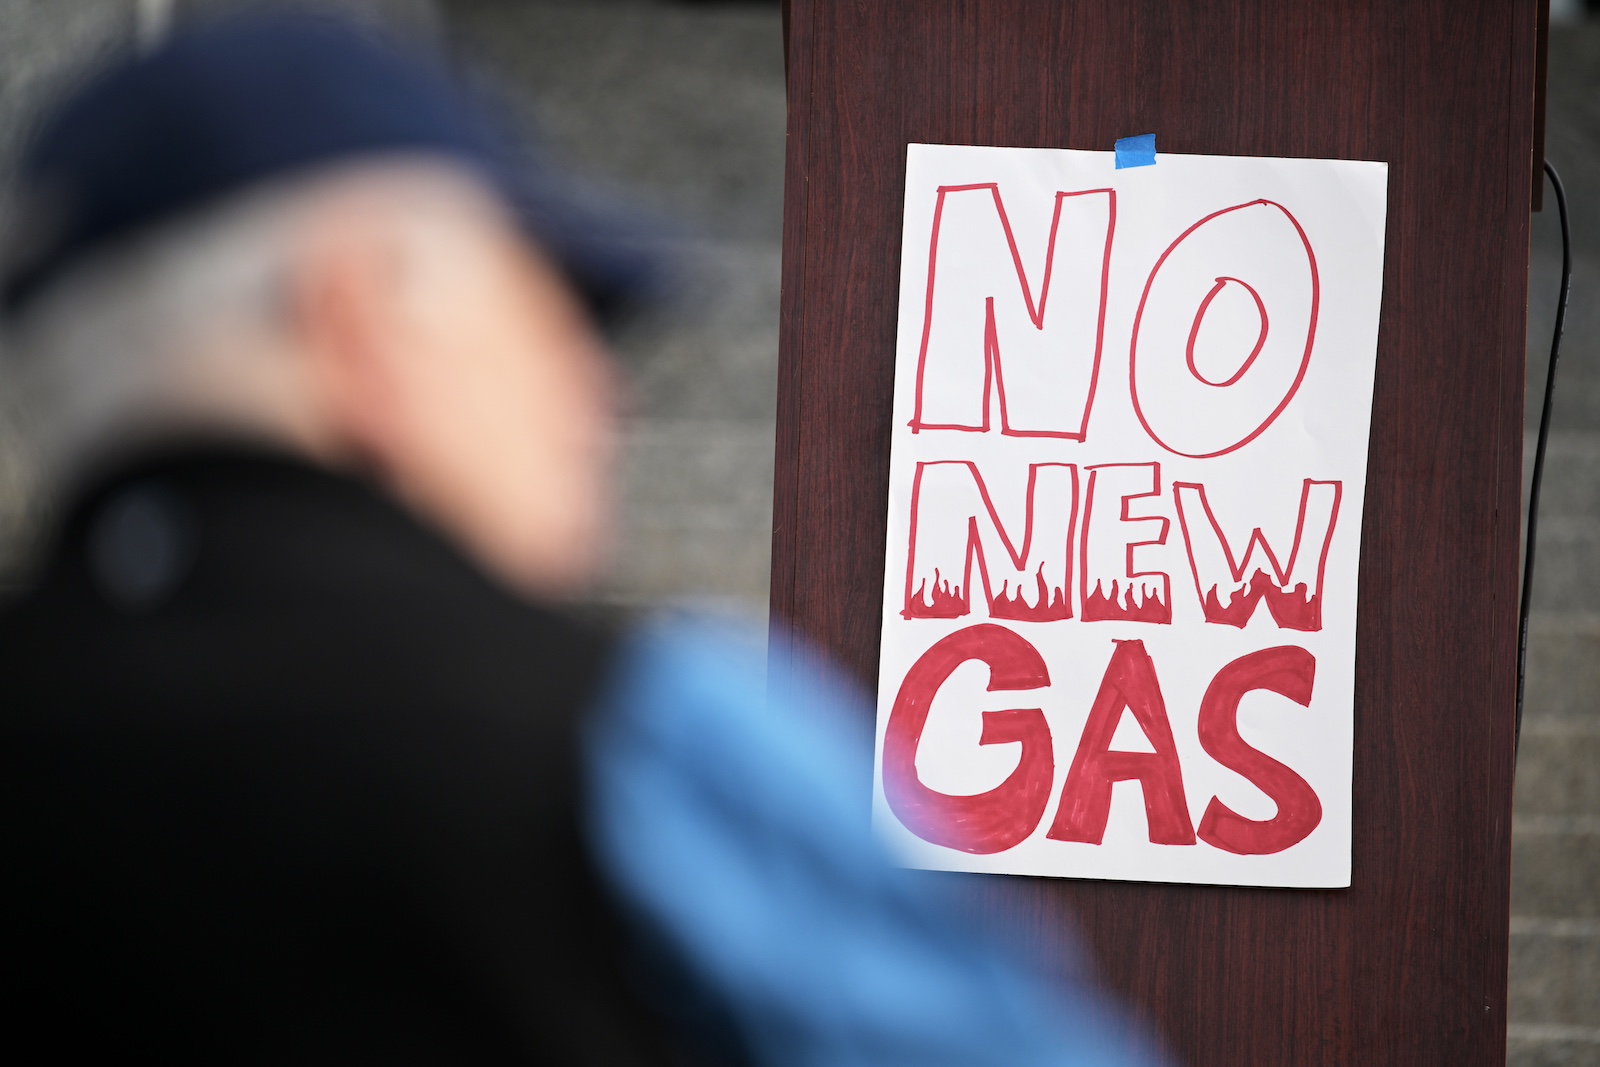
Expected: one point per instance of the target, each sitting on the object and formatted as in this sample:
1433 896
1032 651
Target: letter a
1130 682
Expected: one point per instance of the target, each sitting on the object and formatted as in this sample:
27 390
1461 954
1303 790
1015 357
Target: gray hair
125 340
184 328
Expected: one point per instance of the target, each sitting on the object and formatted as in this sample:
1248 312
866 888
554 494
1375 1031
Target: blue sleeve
733 826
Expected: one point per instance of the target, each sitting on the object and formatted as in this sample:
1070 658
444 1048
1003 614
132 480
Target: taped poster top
1131 417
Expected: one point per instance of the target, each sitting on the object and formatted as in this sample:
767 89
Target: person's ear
348 307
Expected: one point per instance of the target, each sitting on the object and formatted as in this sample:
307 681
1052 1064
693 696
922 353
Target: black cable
1538 451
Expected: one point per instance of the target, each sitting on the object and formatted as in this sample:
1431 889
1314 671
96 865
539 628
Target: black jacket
288 780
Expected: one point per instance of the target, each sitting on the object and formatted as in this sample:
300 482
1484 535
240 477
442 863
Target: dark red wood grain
1408 966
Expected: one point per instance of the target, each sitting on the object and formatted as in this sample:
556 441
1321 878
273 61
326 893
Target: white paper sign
1129 456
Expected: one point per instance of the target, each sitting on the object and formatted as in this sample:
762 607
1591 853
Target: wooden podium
1408 965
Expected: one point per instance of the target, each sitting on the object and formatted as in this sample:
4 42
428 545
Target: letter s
1288 671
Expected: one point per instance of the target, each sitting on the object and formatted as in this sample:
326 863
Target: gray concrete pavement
681 107
1555 896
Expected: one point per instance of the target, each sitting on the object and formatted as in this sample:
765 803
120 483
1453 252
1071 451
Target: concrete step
1552 1045
1555 971
1566 577
713 354
1555 866
1571 474
1577 404
1558 773
682 104
1554 1005
697 514
1563 672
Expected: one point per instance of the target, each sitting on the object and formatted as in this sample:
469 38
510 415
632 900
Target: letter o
1261 247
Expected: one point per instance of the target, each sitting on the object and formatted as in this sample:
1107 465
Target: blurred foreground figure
303 761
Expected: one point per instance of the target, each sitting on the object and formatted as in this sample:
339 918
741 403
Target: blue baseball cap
220 108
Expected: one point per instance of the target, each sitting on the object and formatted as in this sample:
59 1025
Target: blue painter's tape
1137 151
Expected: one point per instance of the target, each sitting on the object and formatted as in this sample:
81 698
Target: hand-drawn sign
1158 558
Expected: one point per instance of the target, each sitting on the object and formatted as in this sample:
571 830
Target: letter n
986 336
954 525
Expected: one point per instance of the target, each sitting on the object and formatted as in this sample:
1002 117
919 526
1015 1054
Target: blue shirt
732 820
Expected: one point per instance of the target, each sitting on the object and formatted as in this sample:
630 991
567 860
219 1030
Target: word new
1029 578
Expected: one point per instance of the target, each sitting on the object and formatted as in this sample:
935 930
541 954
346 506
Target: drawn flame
1049 606
1297 609
944 601
1098 607
941 603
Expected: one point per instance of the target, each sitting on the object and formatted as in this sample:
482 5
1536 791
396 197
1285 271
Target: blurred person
306 755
